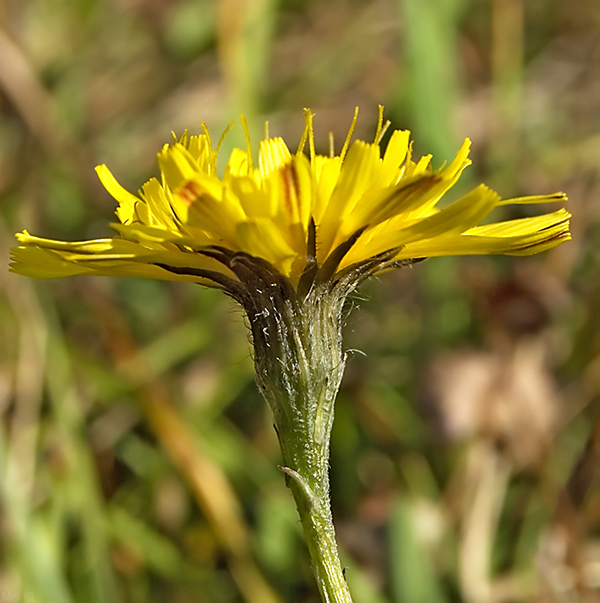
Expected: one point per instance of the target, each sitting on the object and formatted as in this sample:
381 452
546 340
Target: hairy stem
299 366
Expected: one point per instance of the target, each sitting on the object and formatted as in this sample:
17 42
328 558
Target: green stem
316 519
299 366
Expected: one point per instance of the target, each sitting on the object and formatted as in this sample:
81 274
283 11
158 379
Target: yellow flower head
307 217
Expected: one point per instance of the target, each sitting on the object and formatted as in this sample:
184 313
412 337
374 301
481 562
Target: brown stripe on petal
563 235
403 197
190 192
291 189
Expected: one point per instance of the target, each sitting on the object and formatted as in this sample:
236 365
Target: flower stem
306 457
305 450
316 519
299 366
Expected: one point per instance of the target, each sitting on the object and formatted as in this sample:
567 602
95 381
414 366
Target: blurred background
137 460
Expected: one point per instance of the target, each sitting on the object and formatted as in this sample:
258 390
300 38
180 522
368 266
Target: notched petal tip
273 154
36 262
535 199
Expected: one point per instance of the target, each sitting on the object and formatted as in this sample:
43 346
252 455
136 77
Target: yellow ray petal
395 154
127 202
454 219
159 209
272 154
516 237
238 165
523 225
42 263
259 238
45 258
177 165
555 198
326 173
361 167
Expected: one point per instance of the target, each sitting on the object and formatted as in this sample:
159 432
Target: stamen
248 146
349 136
182 140
213 157
409 154
207 134
266 129
379 125
331 146
311 138
386 125
229 126
308 134
307 121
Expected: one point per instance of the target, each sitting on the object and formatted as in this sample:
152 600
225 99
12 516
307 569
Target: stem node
303 484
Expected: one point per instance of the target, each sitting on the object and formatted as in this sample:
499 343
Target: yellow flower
289 239
300 214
